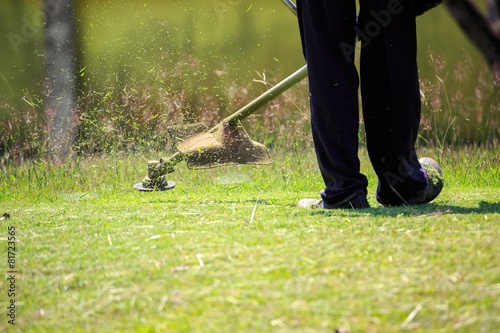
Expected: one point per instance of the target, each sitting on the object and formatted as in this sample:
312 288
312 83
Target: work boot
435 182
356 201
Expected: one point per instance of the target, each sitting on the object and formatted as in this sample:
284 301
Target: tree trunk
60 77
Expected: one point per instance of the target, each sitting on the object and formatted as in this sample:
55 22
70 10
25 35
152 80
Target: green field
227 251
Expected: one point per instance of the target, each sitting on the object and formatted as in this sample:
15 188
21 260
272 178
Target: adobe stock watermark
31 26
373 28
224 7
11 274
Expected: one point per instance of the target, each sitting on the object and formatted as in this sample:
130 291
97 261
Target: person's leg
328 39
391 97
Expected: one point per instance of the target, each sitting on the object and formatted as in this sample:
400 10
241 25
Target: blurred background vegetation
144 65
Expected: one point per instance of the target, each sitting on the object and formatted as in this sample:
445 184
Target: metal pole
291 6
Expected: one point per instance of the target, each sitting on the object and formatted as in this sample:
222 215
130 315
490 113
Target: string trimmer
224 144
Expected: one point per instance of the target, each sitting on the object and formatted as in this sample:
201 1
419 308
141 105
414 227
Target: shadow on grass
421 210
418 210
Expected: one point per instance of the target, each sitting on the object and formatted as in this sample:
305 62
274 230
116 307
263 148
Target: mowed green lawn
227 251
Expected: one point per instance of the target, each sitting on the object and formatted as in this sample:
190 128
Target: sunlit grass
227 250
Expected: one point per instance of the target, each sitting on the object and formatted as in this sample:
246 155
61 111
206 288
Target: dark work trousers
389 92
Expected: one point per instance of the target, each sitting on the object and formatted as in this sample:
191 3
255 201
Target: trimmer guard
228 144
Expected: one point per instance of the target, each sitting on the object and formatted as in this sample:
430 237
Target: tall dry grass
460 106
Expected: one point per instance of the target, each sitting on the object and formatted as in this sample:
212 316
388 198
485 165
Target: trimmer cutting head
149 186
156 179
